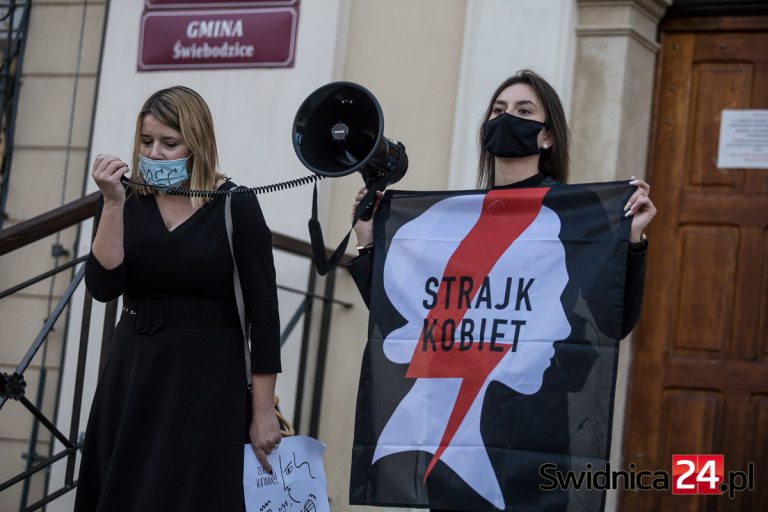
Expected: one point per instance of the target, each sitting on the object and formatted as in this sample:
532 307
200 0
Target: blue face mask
163 173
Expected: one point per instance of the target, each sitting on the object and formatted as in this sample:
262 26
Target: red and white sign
196 4
697 474
228 38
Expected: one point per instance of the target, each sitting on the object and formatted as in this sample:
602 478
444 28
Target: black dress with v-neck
171 409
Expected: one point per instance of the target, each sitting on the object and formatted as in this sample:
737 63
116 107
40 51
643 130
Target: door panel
699 376
705 300
730 86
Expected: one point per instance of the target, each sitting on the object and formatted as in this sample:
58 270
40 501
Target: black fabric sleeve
104 285
361 269
252 243
633 289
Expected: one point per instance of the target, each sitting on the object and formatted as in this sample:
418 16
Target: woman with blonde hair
171 410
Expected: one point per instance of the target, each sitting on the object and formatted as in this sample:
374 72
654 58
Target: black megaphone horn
339 129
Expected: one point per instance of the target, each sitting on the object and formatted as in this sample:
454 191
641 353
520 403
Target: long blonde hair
185 111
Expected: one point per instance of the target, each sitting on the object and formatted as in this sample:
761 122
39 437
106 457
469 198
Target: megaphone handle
367 204
368 212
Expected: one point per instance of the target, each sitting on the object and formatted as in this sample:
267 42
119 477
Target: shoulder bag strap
238 291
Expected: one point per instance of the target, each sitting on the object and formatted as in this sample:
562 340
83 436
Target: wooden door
699 377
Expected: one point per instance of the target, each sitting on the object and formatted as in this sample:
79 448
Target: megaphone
339 129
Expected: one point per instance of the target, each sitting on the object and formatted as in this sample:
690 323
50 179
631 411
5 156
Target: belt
148 314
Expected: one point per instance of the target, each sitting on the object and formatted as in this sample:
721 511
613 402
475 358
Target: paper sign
297 483
743 140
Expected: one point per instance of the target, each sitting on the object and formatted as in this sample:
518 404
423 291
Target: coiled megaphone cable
239 191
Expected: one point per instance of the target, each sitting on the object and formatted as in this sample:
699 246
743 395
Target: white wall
500 38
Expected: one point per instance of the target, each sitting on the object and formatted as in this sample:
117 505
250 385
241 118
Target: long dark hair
554 161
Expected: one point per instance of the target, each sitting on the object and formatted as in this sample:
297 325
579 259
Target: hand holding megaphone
364 228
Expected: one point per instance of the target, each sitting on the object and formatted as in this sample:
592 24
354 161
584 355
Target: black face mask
511 136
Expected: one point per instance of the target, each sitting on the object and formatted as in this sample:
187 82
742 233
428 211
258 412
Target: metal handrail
70 214
48 223
44 331
41 277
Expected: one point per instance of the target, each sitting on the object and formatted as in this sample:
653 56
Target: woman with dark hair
171 411
542 106
524 143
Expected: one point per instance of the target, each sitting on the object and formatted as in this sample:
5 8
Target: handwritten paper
297 483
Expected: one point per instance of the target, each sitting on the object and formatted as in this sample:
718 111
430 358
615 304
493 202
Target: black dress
171 410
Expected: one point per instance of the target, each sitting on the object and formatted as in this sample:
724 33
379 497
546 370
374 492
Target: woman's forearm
108 242
263 394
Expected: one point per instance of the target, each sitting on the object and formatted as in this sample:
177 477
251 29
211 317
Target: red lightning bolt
504 216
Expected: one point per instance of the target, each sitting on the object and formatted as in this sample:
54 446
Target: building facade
432 64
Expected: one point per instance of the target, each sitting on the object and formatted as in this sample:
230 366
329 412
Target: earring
546 146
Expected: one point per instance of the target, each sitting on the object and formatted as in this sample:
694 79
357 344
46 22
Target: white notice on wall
743 140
